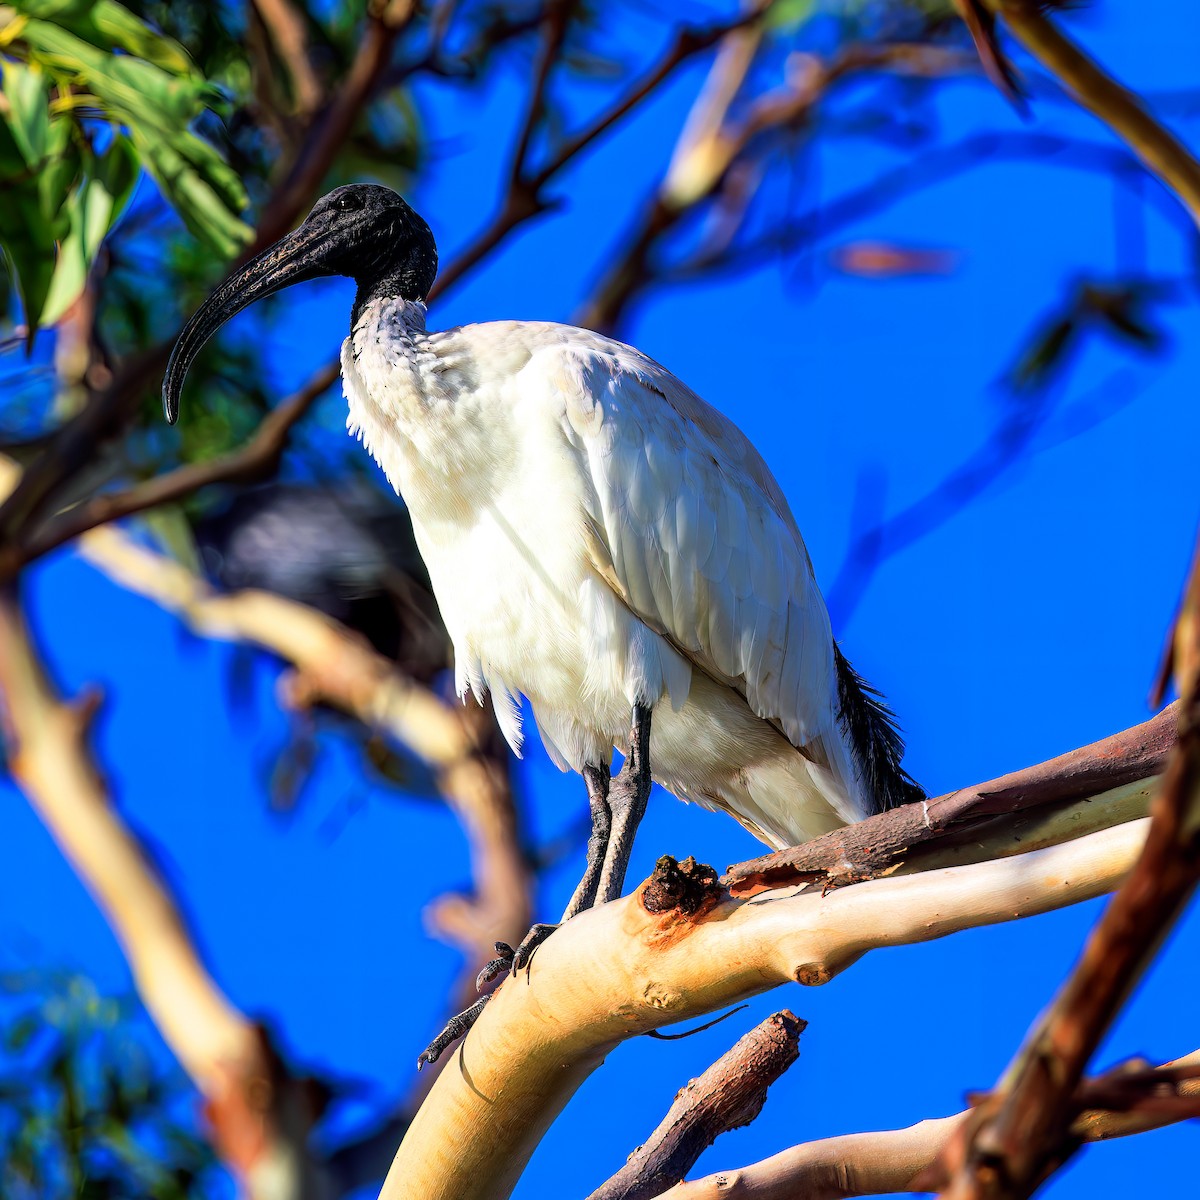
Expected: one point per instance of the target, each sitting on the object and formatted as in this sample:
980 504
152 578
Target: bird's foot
508 959
457 1027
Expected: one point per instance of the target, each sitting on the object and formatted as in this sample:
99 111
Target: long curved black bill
292 259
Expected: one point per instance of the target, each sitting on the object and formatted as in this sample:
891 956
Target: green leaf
28 96
106 24
132 89
62 171
203 208
156 107
28 241
92 210
788 15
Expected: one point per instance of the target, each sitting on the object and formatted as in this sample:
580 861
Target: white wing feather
696 537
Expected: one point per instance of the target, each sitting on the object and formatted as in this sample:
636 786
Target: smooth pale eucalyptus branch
619 970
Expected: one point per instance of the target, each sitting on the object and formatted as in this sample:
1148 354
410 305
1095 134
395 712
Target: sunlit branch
894 1160
621 969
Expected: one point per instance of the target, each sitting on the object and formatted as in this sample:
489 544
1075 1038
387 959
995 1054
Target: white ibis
600 541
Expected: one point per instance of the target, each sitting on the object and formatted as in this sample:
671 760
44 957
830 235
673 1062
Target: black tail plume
871 728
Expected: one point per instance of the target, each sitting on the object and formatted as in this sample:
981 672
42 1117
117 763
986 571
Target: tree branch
895 1160
1110 780
251 1105
333 665
730 1094
1122 111
290 39
258 459
621 969
109 409
1021 1132
712 143
386 19
522 200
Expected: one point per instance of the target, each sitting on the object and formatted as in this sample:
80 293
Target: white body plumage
597 535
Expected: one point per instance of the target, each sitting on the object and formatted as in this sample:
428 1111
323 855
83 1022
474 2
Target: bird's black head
362 230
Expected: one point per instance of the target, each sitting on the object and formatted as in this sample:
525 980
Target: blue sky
1029 623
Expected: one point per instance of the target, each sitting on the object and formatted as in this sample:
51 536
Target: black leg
597 780
617 808
627 801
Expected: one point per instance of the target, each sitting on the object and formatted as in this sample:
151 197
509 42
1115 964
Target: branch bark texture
730 1094
894 1160
619 970
1113 776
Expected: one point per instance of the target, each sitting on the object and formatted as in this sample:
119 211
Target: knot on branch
684 887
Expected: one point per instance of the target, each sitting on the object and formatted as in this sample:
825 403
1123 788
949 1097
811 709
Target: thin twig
258 459
700 166
523 198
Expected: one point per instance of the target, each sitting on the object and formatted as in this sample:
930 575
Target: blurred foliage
93 95
1122 311
132 138
87 1111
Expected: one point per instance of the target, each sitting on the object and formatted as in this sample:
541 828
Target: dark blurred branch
900 1160
555 20
932 167
688 43
713 143
103 416
875 538
258 459
523 198
730 1094
386 19
1120 109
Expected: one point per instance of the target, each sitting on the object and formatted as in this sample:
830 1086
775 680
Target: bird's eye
348 203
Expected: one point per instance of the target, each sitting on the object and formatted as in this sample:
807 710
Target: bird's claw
507 960
496 966
458 1026
523 957
513 960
